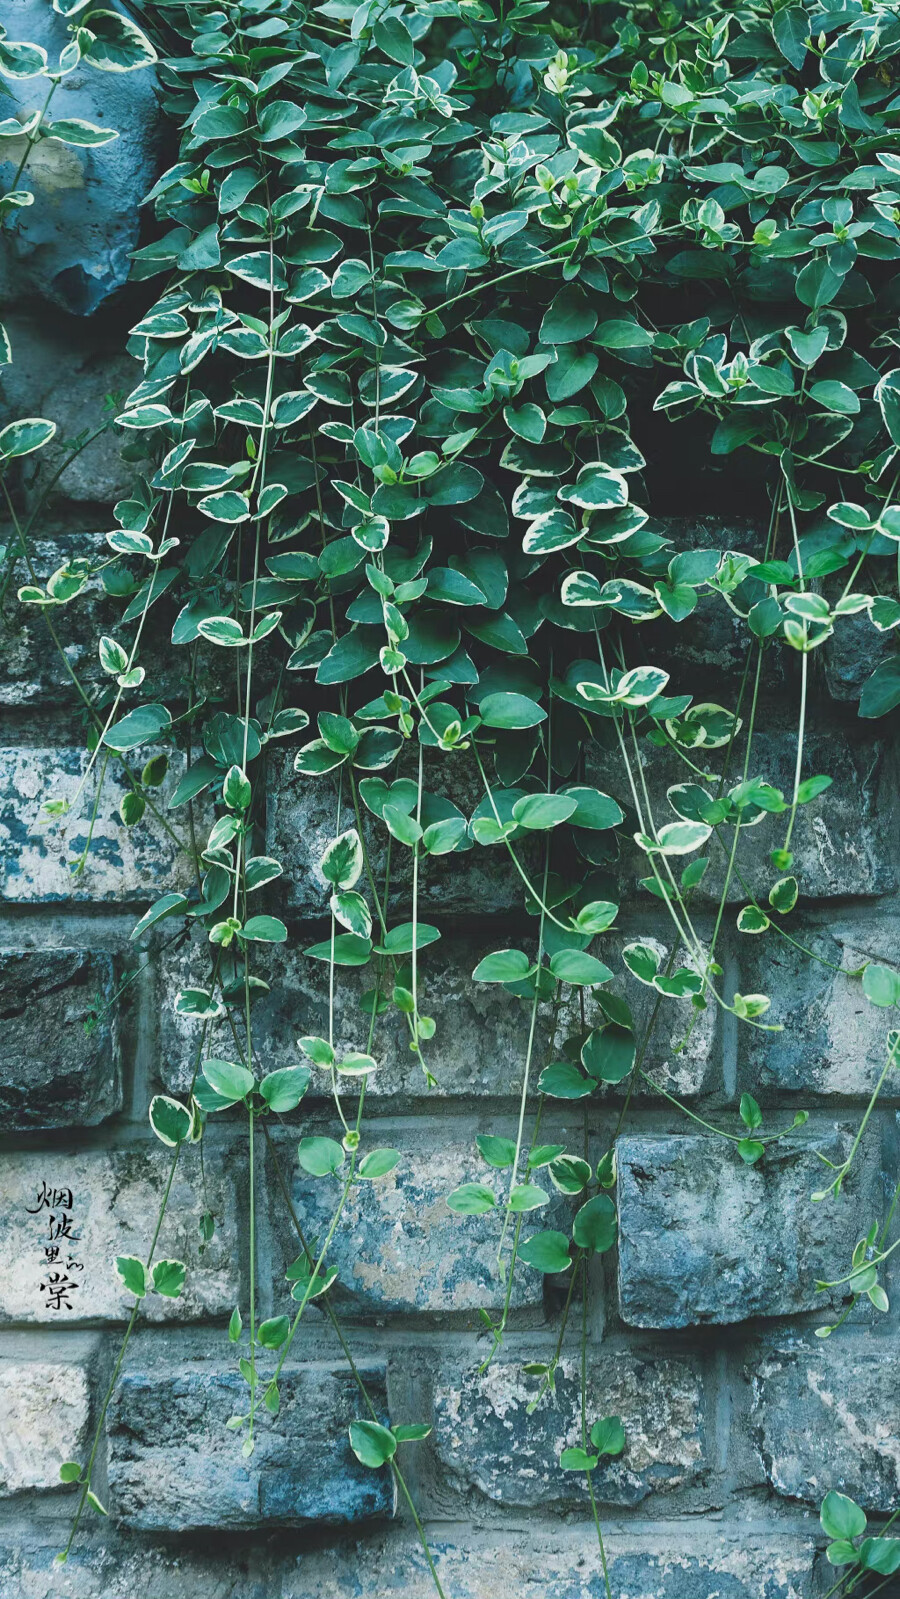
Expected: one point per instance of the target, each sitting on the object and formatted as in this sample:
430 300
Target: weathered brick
704 1238
696 1562
399 1247
487 1440
37 855
302 819
174 1467
840 841
840 1048
54 1073
115 1199
826 1416
481 1041
44 1408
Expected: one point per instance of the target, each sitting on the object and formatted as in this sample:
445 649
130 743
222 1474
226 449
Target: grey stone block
399 1248
699 1561
487 1440
173 1467
302 818
71 247
37 854
44 1409
839 1047
115 1198
840 841
826 1415
704 1238
53 1073
64 371
481 1040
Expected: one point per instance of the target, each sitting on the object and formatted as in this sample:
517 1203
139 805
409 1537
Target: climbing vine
453 294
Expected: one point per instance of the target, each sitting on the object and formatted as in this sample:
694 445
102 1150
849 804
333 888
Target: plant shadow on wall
436 278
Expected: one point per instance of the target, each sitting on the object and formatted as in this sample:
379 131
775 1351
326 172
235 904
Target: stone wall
700 1331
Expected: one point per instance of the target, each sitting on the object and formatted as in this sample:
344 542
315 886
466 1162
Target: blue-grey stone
55 1072
826 1414
72 245
704 1238
487 1439
173 1466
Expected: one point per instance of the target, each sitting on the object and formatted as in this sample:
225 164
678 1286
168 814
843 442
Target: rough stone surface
841 1047
173 1466
115 1198
400 1248
840 844
698 1562
71 247
487 1440
44 1408
37 853
301 821
704 1238
827 1415
62 371
53 1072
480 1044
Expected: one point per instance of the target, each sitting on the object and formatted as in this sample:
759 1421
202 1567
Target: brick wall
700 1332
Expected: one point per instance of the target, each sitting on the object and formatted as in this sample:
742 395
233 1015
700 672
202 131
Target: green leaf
372 1444
504 966
570 317
791 26
21 438
168 1277
283 1090
70 1471
575 1459
881 692
133 1274
608 1436
510 710
594 1227
170 1120
472 1199
264 930
115 44
750 1150
841 1517
576 966
881 1555
751 1115
546 1252
499 1152
142 725
377 1163
167 906
321 1157
881 986
608 1053
272 1334
342 862
539 812
562 1080
228 1080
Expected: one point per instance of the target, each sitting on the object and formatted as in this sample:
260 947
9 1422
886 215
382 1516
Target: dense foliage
453 294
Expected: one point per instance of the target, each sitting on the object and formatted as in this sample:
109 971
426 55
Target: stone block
695 1562
834 1040
72 246
480 1044
399 1248
826 1415
37 853
302 817
54 1072
704 1238
840 841
65 371
114 1203
173 1466
44 1409
487 1440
